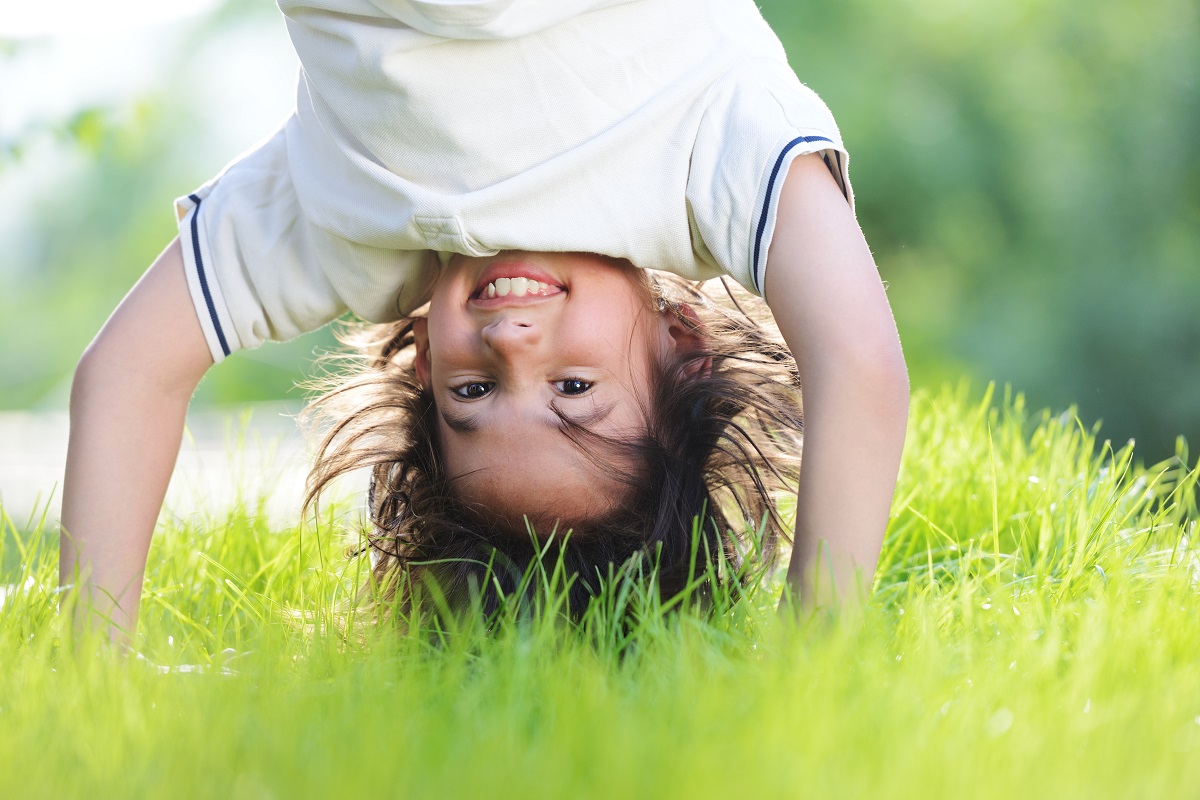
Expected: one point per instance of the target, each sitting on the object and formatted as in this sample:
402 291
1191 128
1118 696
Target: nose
511 338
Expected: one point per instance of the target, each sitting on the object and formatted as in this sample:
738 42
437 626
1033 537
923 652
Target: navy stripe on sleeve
212 308
762 217
841 175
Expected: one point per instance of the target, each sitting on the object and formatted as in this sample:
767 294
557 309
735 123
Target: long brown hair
722 441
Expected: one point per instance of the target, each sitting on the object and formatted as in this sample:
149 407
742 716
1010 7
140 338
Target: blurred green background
1027 172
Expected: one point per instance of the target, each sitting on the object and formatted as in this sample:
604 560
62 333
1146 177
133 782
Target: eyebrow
470 423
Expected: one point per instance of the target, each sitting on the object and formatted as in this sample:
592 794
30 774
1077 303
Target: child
436 148
662 406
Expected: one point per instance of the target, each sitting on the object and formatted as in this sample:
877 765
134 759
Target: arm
825 293
128 404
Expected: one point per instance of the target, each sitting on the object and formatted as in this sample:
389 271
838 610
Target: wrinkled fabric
652 130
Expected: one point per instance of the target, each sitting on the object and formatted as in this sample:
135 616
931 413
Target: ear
421 360
686 336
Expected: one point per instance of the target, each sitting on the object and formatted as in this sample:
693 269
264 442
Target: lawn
1032 633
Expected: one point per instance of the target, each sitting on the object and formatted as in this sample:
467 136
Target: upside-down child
519 192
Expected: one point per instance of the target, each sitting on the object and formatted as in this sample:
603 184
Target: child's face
512 338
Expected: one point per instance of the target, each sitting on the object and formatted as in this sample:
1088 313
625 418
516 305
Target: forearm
853 438
124 440
128 405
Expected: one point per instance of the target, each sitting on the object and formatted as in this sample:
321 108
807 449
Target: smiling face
514 340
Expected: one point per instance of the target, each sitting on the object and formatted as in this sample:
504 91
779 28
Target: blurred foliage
1028 176
104 212
1027 173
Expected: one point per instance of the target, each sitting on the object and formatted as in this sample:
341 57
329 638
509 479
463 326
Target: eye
573 386
473 390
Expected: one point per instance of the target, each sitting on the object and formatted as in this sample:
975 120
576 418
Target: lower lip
513 300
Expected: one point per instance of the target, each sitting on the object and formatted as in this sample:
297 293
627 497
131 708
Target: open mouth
517 287
515 281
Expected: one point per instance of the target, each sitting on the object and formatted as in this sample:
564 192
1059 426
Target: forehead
532 468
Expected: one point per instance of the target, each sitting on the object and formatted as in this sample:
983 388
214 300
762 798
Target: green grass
1032 633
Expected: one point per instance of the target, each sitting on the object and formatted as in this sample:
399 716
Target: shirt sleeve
757 121
250 255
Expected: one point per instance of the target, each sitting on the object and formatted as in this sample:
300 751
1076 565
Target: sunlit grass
1032 633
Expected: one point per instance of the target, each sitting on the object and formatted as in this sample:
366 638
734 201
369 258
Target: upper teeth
517 287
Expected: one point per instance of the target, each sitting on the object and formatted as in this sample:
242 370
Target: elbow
101 377
868 373
876 358
89 373
891 376
152 348
882 376
118 369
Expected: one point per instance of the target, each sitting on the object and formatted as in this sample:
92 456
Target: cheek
451 343
634 342
618 319
448 451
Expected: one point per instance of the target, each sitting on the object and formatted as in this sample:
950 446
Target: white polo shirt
652 130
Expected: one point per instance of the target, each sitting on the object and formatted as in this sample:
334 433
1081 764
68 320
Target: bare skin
128 404
133 384
500 367
826 296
